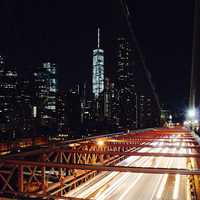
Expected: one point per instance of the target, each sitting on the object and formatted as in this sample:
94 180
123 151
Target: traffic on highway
139 186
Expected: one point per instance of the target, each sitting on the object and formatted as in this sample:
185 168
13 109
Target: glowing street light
100 142
191 113
192 118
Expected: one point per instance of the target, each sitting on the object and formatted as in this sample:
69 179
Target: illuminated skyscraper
8 94
50 69
46 89
98 69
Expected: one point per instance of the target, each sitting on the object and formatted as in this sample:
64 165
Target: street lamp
192 118
191 113
100 142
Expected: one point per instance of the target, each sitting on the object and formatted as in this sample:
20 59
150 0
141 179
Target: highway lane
154 186
176 186
89 187
115 185
135 184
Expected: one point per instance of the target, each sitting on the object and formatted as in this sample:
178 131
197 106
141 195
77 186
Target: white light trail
99 184
164 181
114 186
176 187
139 176
106 186
162 187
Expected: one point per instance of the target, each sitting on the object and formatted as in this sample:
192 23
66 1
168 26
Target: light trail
131 186
164 181
136 178
80 192
162 187
127 186
113 174
176 188
169 162
147 161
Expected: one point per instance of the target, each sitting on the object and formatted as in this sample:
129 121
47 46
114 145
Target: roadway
138 186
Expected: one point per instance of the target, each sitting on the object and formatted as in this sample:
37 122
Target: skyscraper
98 69
125 94
107 98
50 69
60 111
24 106
73 109
45 93
8 94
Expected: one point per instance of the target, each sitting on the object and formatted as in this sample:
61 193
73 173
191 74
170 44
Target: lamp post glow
191 113
100 142
192 119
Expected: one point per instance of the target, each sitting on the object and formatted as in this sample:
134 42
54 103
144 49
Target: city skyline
94 100
27 40
32 103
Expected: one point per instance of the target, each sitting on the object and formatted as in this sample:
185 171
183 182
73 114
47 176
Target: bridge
144 164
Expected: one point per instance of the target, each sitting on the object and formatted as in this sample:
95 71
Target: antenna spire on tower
98 37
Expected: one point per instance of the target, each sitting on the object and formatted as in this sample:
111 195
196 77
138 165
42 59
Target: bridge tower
194 99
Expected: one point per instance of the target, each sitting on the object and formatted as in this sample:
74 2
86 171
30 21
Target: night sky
65 32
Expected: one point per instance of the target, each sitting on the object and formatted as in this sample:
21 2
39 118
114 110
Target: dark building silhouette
88 105
133 103
148 115
73 110
24 109
60 111
124 96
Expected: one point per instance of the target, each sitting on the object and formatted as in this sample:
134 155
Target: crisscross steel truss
54 170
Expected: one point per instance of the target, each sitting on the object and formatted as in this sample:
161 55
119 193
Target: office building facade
98 69
8 99
45 87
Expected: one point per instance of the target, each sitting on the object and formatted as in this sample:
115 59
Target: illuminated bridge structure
54 170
